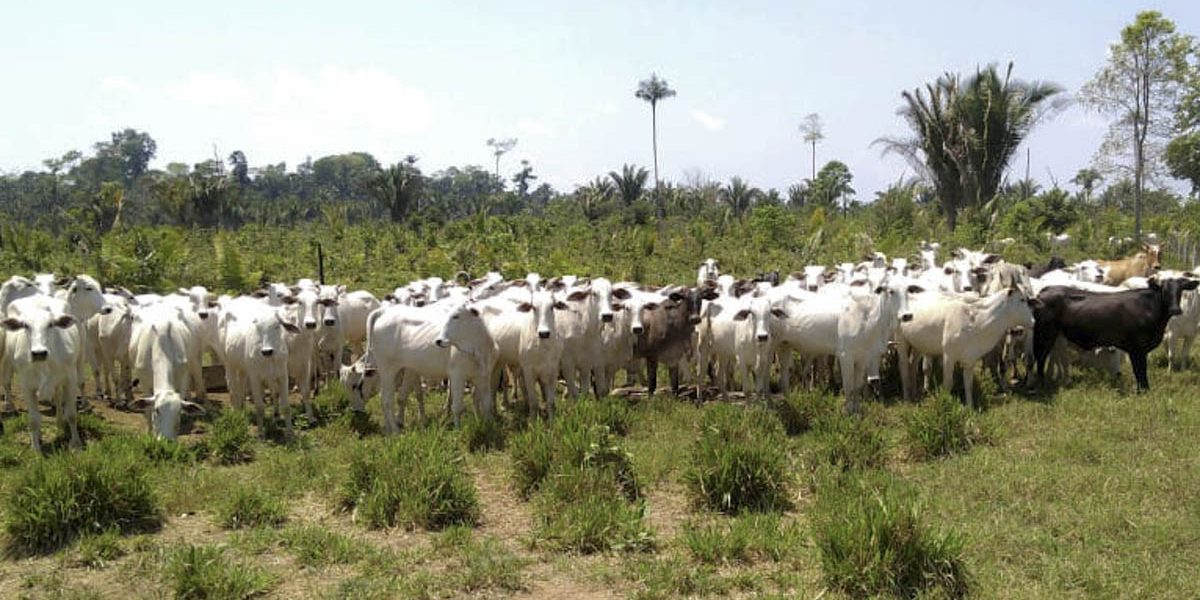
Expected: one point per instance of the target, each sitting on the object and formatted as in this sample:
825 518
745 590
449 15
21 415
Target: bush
229 441
739 462
67 495
248 507
942 426
482 434
203 572
610 412
96 551
873 541
850 443
581 439
799 412
414 480
581 510
743 539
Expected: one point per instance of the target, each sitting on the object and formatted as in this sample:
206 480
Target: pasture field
1088 491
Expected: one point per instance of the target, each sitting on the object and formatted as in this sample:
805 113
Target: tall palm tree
965 132
652 90
813 132
739 195
630 182
1087 178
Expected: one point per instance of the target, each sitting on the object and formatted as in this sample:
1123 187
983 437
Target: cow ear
742 315
64 321
1154 283
62 281
1189 284
880 290
650 306
980 270
329 302
289 326
779 313
213 303
578 295
260 293
675 296
991 258
560 305
710 294
142 403
524 307
12 324
474 311
192 408
1034 303
289 300
621 294
183 291
915 289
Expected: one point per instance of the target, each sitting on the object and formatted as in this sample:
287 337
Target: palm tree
739 195
1086 179
630 182
499 148
597 192
652 90
812 130
398 188
964 133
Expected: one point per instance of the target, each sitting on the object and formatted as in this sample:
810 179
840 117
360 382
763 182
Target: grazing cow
164 352
1142 264
709 271
959 330
42 345
1133 320
256 356
360 383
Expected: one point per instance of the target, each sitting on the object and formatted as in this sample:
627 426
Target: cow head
39 324
542 304
165 410
603 290
86 296
463 326
1171 290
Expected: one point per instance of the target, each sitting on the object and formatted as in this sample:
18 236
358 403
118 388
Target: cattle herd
494 337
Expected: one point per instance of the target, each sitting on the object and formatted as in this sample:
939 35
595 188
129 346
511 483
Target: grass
315 546
873 540
414 480
800 411
250 506
96 551
206 573
581 510
739 462
941 427
68 495
851 443
746 539
230 441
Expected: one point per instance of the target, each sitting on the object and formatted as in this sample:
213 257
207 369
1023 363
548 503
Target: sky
283 81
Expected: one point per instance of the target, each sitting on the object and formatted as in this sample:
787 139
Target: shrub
581 510
249 506
146 448
229 441
414 480
610 412
482 434
738 463
64 496
314 546
942 426
873 541
203 572
96 551
848 443
743 539
799 412
488 565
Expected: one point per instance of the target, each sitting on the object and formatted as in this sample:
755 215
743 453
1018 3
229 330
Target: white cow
109 335
709 271
302 309
352 311
42 345
961 331
579 327
165 354
741 340
811 327
256 355
864 328
524 333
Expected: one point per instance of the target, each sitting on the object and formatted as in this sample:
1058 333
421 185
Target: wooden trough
214 378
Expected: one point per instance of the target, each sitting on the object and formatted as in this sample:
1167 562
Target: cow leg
387 399
1138 361
1186 352
29 395
256 390
651 376
280 389
457 384
674 373
531 399
549 389
419 384
569 374
968 371
948 374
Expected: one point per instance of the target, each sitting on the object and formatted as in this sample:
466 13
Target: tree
630 182
964 133
593 196
652 90
739 195
239 169
1087 178
813 133
832 185
398 188
1183 159
346 176
500 147
135 149
1140 87
523 178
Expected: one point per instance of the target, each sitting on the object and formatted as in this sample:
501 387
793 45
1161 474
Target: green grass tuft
62 497
230 441
482 435
582 510
942 426
873 540
416 479
96 551
205 573
745 539
799 412
739 462
850 443
249 506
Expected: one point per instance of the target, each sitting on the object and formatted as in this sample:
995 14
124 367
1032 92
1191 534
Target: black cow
668 333
1132 320
1056 262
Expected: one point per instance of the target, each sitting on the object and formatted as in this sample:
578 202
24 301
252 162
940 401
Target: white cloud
708 121
530 127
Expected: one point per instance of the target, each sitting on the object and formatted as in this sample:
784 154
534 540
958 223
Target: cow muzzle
906 317
39 354
310 324
330 322
202 314
694 319
545 335
762 337
268 351
441 343
638 329
606 318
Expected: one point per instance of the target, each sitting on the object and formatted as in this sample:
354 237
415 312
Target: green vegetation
942 426
230 441
250 506
202 572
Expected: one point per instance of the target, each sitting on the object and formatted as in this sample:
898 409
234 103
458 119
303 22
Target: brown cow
1142 264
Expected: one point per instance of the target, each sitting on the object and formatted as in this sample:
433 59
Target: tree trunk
658 204
814 161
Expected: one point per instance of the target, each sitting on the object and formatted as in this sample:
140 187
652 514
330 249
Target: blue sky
285 80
